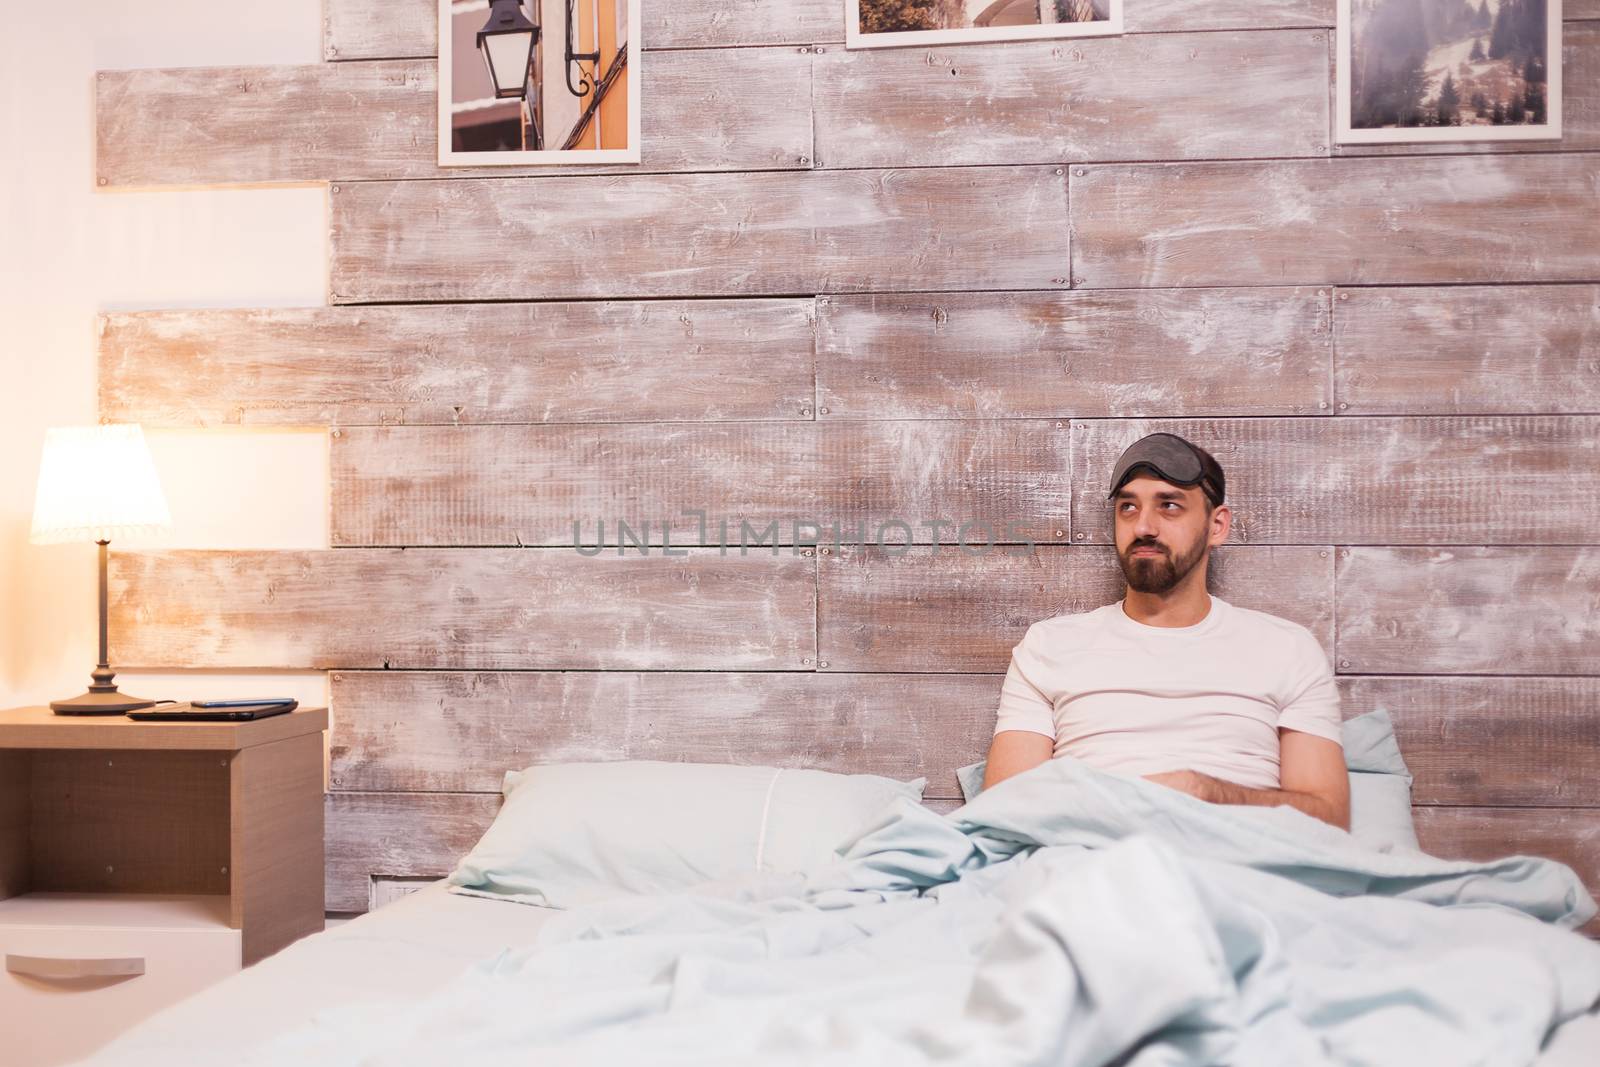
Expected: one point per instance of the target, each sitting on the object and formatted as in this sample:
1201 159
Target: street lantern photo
538 81
506 44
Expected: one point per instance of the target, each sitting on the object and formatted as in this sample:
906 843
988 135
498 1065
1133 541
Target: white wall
68 251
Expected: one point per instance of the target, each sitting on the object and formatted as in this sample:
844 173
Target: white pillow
573 833
1380 782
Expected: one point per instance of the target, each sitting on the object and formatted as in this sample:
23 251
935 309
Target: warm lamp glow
97 483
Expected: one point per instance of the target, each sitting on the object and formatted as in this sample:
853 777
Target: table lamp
96 483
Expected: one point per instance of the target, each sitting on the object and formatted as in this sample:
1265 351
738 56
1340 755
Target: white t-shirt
1135 699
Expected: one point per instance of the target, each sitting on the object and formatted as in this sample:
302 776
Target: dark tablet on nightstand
230 713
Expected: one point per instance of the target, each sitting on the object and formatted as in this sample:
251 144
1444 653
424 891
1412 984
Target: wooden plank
1457 350
700 235
1347 221
372 29
449 732
1126 98
1468 610
1380 480
1580 108
954 612
398 835
490 609
1488 741
535 485
216 125
646 361
276 809
1493 741
1112 352
1568 835
1156 16
381 29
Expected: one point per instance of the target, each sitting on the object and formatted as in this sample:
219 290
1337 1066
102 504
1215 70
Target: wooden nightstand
140 862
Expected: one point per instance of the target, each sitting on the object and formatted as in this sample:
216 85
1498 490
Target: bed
1090 930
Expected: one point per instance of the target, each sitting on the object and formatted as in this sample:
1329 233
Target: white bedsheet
407 948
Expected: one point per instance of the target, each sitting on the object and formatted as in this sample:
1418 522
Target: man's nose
1144 526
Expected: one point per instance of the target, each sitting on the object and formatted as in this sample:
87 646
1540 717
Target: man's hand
1192 782
1331 803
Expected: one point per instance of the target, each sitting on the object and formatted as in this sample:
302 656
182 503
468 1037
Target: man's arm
1025 722
1311 771
1014 751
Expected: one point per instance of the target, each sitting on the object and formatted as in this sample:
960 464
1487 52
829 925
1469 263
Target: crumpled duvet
1065 917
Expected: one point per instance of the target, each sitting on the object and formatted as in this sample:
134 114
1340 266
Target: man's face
1162 532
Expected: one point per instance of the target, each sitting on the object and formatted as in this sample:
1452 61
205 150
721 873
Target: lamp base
100 702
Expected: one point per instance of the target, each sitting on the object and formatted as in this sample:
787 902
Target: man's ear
1223 515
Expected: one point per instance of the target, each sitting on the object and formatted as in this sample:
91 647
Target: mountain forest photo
1418 63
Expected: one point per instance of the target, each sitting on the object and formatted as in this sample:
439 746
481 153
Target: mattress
407 949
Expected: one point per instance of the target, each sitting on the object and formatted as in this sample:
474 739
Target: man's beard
1159 574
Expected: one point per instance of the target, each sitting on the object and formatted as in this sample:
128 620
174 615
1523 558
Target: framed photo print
1448 70
538 81
897 23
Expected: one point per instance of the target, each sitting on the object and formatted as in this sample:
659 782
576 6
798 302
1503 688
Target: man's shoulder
1069 622
1268 625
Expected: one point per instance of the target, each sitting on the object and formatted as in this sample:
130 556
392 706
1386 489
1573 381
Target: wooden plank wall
849 287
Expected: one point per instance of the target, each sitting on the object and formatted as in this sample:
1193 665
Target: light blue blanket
1065 917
